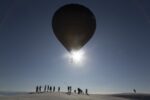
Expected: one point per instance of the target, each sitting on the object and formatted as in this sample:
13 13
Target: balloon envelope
73 25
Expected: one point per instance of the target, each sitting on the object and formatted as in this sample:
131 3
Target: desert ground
64 96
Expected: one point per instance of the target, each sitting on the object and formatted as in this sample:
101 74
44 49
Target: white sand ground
63 96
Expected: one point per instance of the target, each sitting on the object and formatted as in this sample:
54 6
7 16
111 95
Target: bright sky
116 59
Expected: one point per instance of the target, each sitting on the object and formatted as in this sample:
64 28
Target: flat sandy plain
64 96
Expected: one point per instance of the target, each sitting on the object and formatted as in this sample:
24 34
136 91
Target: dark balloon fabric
73 25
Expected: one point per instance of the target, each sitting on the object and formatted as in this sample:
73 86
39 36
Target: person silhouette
86 91
45 88
50 88
134 90
59 89
68 89
36 89
78 91
40 87
54 89
75 91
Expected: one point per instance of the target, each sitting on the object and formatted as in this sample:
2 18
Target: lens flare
77 56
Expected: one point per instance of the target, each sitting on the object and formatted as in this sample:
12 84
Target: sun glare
77 56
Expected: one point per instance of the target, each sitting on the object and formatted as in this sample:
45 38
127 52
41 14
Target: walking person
134 90
36 89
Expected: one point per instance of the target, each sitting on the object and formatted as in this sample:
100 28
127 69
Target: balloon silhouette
73 25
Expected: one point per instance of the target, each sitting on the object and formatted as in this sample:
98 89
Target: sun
77 56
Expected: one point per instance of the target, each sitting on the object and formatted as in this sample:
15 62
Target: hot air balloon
73 25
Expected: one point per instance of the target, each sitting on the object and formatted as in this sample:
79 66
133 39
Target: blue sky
117 56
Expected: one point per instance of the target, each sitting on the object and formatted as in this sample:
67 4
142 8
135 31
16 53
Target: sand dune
64 96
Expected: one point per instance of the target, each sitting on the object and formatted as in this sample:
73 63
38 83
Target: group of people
48 88
69 89
38 89
78 91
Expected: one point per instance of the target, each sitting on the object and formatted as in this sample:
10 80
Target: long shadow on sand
134 96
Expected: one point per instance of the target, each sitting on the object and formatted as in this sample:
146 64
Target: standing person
86 91
50 88
78 91
36 89
45 88
75 91
40 87
70 89
54 89
59 89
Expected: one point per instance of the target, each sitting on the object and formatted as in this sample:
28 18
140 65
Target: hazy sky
117 58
